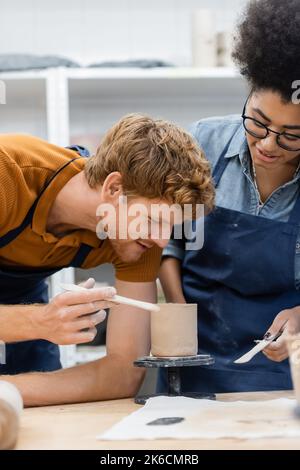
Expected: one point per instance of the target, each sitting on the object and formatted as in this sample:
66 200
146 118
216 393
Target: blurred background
91 30
125 41
69 69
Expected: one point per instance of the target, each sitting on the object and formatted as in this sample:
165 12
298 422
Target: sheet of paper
207 419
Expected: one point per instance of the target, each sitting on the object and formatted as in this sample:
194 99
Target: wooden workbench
75 427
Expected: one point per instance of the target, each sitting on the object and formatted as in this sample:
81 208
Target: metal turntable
174 366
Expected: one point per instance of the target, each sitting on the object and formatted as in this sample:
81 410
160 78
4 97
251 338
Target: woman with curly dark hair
246 278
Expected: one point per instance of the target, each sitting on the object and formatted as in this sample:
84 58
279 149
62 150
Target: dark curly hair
267 45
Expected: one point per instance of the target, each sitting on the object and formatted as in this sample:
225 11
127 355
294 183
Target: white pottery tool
261 344
116 298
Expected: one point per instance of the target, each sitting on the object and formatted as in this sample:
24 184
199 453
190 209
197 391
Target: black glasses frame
268 131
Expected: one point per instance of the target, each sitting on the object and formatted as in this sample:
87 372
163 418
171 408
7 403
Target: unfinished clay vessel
174 330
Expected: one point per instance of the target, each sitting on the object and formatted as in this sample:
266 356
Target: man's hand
277 351
71 317
111 377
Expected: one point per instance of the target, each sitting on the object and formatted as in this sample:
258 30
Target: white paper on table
208 419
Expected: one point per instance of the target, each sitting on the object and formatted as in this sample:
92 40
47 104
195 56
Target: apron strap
221 163
81 255
82 151
294 217
12 234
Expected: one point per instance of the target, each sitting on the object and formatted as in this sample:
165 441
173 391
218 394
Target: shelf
25 92
121 72
164 83
25 108
126 83
100 97
153 73
24 75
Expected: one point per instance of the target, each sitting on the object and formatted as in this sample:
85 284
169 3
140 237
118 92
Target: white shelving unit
99 97
56 104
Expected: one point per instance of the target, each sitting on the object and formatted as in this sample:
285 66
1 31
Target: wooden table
75 427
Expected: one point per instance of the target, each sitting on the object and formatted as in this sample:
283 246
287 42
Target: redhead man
50 198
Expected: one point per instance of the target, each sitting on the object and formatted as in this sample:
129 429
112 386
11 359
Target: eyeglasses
285 140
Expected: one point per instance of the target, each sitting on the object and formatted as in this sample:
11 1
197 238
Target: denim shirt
236 189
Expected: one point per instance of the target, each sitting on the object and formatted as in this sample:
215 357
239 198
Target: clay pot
174 330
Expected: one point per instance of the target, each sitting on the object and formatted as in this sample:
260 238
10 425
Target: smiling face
134 224
268 108
139 228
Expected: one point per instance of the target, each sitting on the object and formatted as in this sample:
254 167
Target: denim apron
28 287
241 279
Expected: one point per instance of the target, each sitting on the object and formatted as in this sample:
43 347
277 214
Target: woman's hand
289 322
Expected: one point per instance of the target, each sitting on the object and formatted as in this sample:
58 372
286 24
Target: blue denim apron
241 279
28 287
